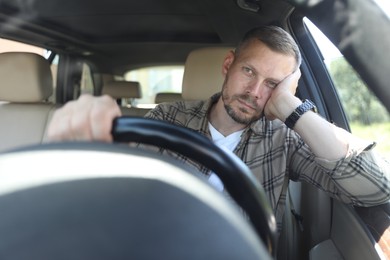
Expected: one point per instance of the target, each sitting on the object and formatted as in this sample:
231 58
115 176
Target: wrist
296 114
287 106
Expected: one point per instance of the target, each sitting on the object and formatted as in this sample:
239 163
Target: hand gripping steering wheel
110 201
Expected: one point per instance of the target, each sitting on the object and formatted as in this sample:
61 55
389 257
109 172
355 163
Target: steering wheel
235 175
107 208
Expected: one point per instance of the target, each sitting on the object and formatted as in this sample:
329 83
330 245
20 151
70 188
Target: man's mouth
246 104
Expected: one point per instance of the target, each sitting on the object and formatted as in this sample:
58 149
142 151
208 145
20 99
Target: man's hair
273 37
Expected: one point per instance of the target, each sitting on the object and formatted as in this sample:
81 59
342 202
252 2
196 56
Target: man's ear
227 62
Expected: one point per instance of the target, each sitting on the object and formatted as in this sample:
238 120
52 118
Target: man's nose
256 88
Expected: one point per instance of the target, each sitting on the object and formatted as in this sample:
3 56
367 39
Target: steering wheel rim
234 174
103 196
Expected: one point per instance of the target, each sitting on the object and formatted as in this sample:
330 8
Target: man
257 96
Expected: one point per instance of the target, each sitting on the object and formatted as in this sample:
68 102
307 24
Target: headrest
167 97
203 73
122 89
25 77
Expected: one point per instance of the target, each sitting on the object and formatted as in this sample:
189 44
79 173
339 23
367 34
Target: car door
329 228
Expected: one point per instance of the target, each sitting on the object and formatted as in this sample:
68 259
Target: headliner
124 34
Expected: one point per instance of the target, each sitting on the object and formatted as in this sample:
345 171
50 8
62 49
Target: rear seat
163 97
125 89
26 85
203 73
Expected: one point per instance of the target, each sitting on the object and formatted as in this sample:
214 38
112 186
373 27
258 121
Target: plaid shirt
276 154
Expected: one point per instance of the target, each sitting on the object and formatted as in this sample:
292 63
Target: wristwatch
298 112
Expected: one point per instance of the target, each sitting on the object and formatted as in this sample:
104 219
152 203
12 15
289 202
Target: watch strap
292 119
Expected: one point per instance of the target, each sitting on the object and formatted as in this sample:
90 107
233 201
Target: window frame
315 73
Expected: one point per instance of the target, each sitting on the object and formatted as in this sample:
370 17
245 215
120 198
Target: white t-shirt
227 143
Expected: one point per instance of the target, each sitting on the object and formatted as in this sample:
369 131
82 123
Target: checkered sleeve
361 178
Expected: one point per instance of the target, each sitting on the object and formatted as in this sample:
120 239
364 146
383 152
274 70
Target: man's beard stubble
235 116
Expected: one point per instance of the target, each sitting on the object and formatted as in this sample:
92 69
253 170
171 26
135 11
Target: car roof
117 35
136 33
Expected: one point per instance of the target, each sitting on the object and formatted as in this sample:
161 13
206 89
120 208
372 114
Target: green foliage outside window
368 118
361 106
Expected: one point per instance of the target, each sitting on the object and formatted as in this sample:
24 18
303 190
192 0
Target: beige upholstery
203 73
167 97
122 89
134 111
26 82
125 89
25 77
23 124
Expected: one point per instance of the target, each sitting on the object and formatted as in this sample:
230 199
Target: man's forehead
257 46
265 61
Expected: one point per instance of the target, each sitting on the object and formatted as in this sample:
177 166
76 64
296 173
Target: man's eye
248 71
271 84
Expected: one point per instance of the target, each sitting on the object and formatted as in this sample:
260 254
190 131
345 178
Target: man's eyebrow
277 81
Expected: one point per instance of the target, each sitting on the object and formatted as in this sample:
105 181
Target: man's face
250 79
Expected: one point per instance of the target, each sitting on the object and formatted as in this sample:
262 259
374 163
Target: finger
71 121
80 129
292 81
103 112
297 76
58 127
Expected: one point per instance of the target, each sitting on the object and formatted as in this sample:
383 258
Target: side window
86 85
155 80
54 72
367 117
13 46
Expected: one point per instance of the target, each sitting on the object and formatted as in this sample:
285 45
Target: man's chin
242 115
245 120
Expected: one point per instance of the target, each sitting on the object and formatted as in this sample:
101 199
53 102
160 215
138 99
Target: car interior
24 99
111 201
